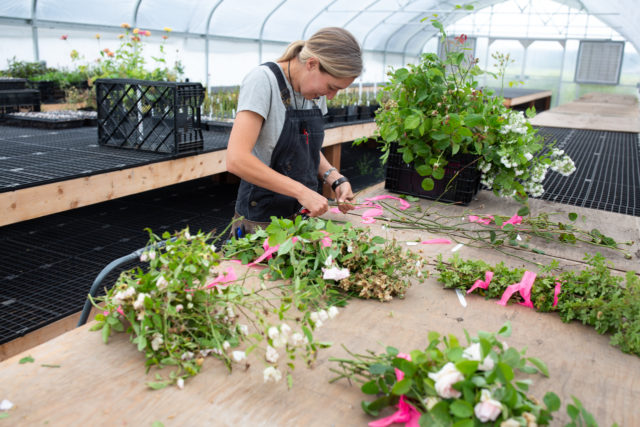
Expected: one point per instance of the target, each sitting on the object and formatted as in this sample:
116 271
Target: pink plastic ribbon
229 275
524 287
436 242
368 215
484 284
484 221
325 242
335 210
406 412
403 203
556 292
515 219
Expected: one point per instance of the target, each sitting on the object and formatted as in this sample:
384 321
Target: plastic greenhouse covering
218 41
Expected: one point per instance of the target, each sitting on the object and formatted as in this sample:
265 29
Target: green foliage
177 317
434 110
446 381
377 268
593 296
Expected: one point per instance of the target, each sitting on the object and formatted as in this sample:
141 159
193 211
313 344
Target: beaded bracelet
326 174
339 181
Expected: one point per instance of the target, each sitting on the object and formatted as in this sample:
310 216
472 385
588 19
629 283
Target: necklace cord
295 102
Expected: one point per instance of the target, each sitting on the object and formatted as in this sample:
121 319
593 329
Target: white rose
323 315
297 339
226 346
244 329
271 374
332 312
273 333
430 402
162 283
238 356
271 354
335 273
285 329
487 409
474 352
180 383
445 379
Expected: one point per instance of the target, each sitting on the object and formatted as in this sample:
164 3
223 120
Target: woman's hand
345 197
314 202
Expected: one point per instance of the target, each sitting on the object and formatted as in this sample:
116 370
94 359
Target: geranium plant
435 109
450 384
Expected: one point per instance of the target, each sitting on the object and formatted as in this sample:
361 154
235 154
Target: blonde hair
337 51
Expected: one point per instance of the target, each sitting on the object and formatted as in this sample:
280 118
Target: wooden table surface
104 385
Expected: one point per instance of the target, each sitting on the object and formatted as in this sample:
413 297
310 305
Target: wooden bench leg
332 153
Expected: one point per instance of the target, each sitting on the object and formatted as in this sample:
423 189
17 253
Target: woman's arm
344 193
241 162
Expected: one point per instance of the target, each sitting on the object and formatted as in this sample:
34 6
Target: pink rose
487 409
445 378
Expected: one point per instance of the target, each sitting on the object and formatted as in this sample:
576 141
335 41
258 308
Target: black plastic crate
9 83
162 117
15 100
401 177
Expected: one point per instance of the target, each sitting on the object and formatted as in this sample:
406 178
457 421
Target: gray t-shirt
259 93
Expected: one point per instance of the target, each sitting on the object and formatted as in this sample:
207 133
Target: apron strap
285 95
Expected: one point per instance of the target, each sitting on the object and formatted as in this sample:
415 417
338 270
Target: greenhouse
292 213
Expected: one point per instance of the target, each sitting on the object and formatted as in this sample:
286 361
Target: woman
276 139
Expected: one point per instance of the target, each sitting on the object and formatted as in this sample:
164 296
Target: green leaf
523 211
4 415
467 367
424 170
157 424
505 372
402 387
370 387
157 385
438 173
412 122
106 331
505 330
472 120
427 184
27 359
573 216
461 409
407 156
437 416
378 369
542 367
401 74
552 401
463 423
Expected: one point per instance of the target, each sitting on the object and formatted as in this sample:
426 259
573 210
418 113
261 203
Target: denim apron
296 155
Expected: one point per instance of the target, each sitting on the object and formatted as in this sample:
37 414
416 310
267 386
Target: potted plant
435 111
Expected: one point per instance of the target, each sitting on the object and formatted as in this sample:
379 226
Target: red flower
462 38
64 37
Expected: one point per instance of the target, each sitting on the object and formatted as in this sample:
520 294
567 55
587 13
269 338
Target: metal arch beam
306 27
34 30
386 44
206 44
361 12
373 28
136 9
264 23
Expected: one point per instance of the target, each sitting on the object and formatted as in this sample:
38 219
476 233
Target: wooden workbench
594 111
34 202
103 385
